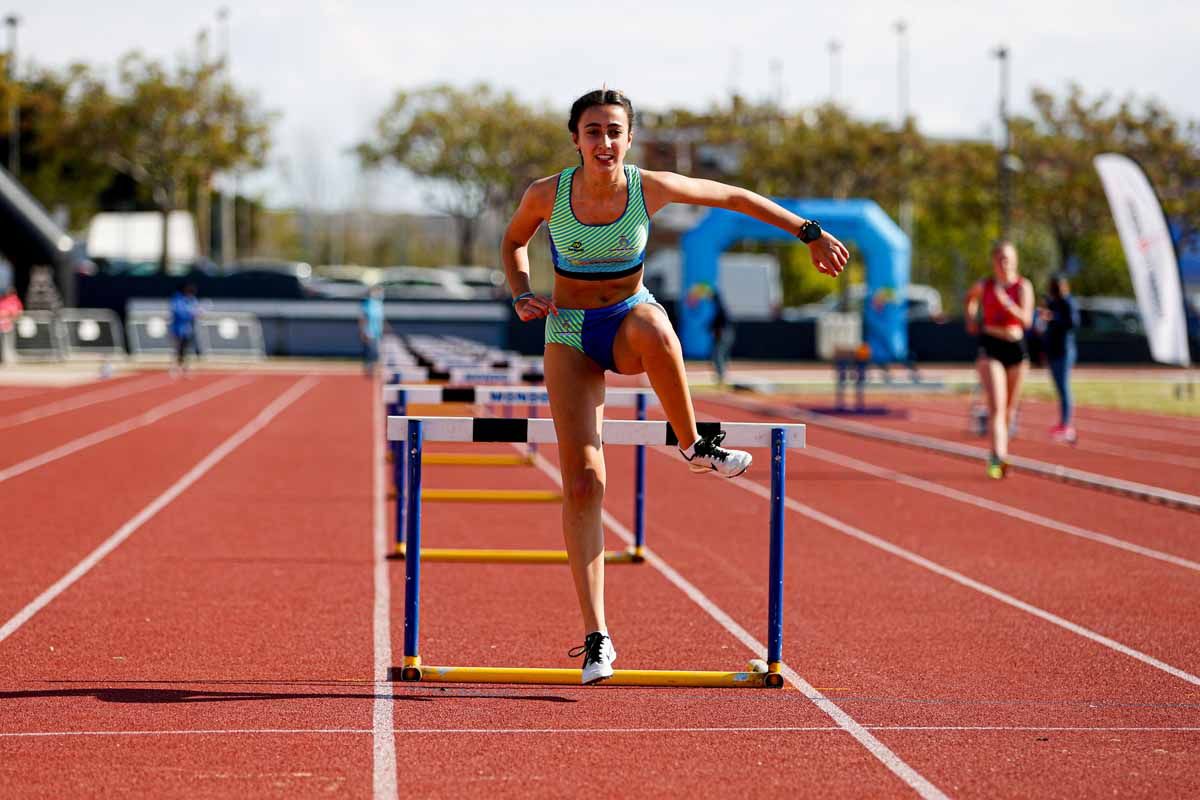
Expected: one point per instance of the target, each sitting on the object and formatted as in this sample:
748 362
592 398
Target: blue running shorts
592 331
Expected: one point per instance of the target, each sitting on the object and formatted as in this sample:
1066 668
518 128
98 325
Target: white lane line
999 508
120 428
1087 444
16 394
1120 430
878 749
158 504
386 786
970 583
593 731
83 401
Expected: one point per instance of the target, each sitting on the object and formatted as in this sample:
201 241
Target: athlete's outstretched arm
514 248
661 188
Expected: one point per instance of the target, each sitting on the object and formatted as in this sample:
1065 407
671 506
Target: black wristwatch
809 231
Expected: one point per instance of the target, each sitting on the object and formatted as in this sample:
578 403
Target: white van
136 236
748 282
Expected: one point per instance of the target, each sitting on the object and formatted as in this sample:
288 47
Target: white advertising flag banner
1150 254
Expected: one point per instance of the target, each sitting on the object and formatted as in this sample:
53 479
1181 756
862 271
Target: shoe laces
711 446
591 648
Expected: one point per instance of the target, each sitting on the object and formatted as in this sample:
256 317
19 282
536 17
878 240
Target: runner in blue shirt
370 328
184 310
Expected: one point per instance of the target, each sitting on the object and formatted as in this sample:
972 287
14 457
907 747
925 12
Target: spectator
10 309
42 294
722 333
1061 317
184 310
370 328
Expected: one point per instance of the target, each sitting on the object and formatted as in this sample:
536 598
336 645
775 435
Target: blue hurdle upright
416 430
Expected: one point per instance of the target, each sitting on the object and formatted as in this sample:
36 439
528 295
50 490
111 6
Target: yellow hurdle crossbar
474 459
478 459
491 495
750 679
467 555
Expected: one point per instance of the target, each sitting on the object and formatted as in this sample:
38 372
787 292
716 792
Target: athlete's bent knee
584 489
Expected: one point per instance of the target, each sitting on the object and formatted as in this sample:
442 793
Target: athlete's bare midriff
572 293
1009 333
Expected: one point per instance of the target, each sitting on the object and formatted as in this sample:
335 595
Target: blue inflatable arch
884 247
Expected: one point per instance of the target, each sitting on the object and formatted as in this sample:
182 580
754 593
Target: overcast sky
330 66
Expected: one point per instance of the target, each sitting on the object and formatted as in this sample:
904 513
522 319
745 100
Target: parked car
343 282
259 284
423 283
1109 315
299 269
922 302
486 282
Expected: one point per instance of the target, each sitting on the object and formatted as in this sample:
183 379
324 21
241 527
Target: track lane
74 503
1142 523
951 417
251 611
28 439
75 398
1139 601
525 611
956 661
175 405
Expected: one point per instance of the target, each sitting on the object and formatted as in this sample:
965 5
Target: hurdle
414 431
396 399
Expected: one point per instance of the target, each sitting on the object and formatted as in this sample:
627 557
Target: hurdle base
484 556
751 679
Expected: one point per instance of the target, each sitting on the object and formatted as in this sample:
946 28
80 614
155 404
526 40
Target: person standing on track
1006 303
723 334
10 310
370 328
1061 316
600 317
184 310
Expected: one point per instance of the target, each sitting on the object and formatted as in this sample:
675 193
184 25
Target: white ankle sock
690 451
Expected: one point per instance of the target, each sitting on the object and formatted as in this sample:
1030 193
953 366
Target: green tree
956 215
479 148
169 130
59 161
1060 189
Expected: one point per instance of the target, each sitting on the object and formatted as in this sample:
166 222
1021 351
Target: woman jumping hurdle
600 317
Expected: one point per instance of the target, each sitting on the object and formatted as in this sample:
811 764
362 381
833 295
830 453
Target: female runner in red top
1006 300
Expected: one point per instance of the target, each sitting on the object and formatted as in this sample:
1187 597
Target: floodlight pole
14 108
1001 53
228 204
901 29
900 26
835 48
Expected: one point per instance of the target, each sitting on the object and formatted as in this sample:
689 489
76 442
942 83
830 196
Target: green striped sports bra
599 252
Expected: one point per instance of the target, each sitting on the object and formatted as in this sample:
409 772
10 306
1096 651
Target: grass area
1157 396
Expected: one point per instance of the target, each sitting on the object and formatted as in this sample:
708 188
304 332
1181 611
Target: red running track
226 649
